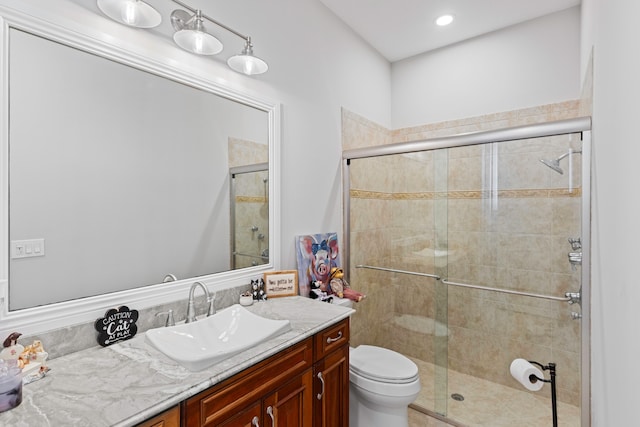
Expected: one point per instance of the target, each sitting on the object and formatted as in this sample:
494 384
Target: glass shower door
513 222
466 254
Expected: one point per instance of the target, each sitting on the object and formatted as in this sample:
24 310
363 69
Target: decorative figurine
318 291
34 353
255 290
12 350
23 356
341 288
262 293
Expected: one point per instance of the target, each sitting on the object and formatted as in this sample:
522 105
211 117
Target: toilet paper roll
523 372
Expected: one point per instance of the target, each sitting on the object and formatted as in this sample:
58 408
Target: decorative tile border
250 199
459 195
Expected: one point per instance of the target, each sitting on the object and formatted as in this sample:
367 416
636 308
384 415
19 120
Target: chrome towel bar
567 298
507 291
393 270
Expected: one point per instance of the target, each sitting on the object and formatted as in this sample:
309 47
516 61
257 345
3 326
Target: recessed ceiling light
444 20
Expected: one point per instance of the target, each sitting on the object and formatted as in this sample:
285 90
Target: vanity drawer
331 339
242 391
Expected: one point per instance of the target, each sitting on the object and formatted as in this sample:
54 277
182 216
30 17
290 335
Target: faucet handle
170 319
212 308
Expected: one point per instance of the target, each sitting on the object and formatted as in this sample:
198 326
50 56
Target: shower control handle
574 297
575 243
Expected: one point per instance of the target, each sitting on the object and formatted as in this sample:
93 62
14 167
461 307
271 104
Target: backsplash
60 342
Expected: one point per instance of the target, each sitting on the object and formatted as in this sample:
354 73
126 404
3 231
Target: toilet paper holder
551 367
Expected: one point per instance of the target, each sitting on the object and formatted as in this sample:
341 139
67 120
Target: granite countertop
129 382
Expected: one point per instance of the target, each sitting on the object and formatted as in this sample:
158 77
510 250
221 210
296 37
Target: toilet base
363 414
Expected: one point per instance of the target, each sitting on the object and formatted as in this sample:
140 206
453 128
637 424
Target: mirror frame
63 314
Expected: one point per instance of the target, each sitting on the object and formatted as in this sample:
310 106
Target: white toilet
382 385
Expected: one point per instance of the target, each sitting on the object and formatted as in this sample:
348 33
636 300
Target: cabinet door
250 417
292 404
221 403
331 390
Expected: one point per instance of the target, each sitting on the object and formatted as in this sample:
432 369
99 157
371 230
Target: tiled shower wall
434 212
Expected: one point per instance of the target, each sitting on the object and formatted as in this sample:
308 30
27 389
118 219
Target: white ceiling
399 29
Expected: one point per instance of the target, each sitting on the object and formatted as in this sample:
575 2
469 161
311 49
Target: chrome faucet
191 309
169 278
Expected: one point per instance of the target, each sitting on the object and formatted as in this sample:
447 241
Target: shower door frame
580 125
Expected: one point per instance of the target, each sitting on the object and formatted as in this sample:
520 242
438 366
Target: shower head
555 163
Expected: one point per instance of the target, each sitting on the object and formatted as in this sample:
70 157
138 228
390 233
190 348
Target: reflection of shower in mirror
266 190
250 215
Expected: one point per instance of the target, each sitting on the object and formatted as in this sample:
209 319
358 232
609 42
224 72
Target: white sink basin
198 345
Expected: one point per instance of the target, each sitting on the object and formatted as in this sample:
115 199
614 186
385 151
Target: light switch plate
27 248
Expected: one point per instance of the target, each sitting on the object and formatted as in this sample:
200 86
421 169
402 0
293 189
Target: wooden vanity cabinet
306 385
291 405
278 388
331 376
169 418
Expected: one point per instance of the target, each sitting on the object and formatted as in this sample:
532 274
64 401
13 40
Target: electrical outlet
27 248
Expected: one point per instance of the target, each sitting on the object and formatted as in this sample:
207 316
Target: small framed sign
116 325
281 283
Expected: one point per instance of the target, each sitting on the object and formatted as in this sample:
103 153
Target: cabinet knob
255 422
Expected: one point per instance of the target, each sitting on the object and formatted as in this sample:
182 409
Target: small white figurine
12 350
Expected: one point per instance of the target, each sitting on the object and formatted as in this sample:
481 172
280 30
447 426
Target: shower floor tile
418 419
488 404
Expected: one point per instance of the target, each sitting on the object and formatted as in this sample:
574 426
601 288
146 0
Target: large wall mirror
119 176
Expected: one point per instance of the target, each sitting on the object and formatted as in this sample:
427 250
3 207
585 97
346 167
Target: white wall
317 66
525 65
613 28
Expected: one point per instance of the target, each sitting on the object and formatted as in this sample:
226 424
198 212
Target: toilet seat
382 365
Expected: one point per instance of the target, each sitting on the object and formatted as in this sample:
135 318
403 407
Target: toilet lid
381 364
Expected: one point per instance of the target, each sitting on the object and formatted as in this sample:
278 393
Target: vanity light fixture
134 13
245 62
190 34
444 20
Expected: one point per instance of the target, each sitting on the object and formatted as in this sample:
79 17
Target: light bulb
134 13
130 12
444 20
248 67
198 43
